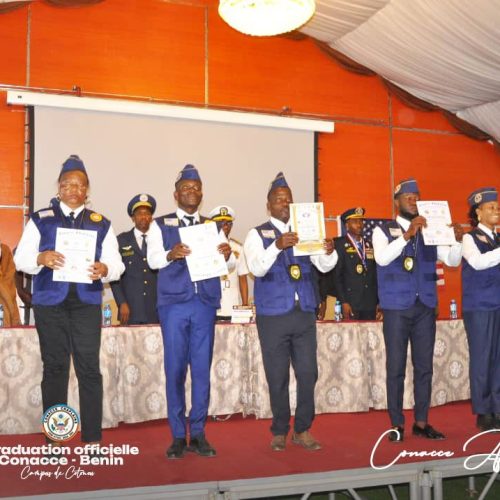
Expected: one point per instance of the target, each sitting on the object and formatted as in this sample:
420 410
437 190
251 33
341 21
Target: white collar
486 230
281 226
138 234
181 214
404 223
67 210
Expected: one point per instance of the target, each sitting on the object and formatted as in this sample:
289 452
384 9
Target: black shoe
200 445
177 448
427 432
486 422
397 434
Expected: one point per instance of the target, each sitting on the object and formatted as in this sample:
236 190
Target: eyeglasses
68 186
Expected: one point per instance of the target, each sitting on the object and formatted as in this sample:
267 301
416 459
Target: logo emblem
478 197
60 423
398 189
359 211
143 197
295 272
95 217
223 211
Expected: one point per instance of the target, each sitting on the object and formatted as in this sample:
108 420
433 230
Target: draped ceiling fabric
444 52
432 54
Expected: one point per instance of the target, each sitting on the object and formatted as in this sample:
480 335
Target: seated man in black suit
135 293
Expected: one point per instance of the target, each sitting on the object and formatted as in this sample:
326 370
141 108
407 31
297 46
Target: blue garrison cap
278 182
406 186
73 163
482 195
141 200
353 213
189 172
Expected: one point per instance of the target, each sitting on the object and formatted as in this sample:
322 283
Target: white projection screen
127 154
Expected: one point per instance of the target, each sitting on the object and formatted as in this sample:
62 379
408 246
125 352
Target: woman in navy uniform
68 315
135 292
481 305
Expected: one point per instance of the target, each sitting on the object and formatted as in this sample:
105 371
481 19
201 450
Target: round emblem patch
94 217
398 188
143 197
478 198
60 423
359 211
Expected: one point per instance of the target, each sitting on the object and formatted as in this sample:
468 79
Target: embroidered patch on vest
395 231
170 222
268 233
95 217
46 213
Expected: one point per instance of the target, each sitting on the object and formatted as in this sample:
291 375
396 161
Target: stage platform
245 466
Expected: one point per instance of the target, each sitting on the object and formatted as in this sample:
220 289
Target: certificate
438 217
205 261
78 247
308 221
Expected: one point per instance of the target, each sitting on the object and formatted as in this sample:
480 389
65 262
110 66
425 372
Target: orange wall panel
138 47
11 153
13 43
447 167
273 72
11 226
354 170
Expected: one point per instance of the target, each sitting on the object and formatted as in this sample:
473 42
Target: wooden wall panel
272 72
404 116
138 48
13 42
11 226
354 170
446 166
11 153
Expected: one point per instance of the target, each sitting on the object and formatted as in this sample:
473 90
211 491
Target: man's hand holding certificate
307 220
438 229
203 256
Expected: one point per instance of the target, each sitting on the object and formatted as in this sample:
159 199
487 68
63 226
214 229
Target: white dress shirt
260 259
138 237
477 260
157 254
28 249
386 252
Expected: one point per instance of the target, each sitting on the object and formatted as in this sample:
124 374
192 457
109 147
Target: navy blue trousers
416 325
283 339
483 335
188 339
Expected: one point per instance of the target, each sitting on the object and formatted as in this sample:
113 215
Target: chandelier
266 17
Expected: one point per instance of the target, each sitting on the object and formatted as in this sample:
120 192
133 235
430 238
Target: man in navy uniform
135 293
406 272
187 316
286 301
353 281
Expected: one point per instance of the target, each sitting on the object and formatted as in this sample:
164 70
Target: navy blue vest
481 289
399 289
275 292
174 282
47 292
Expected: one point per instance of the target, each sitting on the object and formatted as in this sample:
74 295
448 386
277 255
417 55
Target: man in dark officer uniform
353 281
135 293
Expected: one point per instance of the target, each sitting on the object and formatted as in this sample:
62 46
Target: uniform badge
95 217
408 264
294 272
268 233
170 221
143 197
359 269
395 232
46 213
478 198
482 238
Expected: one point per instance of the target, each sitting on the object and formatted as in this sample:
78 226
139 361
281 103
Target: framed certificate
308 221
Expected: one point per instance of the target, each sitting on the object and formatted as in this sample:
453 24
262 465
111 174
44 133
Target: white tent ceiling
446 52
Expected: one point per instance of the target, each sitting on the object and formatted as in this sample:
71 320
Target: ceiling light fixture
266 17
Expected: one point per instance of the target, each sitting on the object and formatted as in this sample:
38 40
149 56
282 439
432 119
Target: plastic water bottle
107 315
1 315
338 311
453 309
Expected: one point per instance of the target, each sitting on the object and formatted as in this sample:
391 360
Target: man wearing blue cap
68 314
481 305
187 316
286 301
135 292
406 269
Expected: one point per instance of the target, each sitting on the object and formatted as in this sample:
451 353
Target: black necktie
72 219
144 246
190 219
